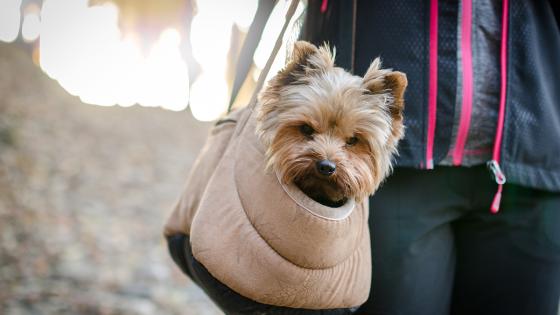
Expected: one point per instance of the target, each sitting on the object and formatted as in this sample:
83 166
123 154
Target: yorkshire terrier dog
331 133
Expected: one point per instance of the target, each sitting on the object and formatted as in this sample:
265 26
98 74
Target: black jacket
400 32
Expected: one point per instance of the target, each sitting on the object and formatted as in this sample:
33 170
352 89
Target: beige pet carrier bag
267 241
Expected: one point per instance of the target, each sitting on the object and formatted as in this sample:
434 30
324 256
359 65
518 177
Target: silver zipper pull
499 176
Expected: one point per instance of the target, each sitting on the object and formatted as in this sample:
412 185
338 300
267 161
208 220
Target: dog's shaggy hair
329 132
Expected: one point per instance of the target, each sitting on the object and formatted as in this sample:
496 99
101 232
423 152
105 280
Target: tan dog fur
313 111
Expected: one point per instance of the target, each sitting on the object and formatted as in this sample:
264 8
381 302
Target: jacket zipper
466 57
494 164
433 80
324 6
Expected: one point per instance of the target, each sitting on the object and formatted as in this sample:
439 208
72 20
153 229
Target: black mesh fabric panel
531 143
447 76
398 32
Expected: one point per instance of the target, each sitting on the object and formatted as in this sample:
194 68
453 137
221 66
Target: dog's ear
305 59
394 83
301 52
397 82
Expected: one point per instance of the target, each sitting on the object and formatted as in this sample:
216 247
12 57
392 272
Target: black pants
438 250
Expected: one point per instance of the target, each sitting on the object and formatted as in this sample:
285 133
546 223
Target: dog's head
331 133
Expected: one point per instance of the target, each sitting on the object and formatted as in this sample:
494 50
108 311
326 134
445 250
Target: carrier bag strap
277 46
250 44
260 82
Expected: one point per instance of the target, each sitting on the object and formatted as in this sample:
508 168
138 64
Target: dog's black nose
326 167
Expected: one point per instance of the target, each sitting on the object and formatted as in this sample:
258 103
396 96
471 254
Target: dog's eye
306 130
352 141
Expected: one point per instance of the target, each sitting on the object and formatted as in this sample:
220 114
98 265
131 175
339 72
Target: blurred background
104 105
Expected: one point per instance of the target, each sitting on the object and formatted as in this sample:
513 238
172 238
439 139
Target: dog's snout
326 167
